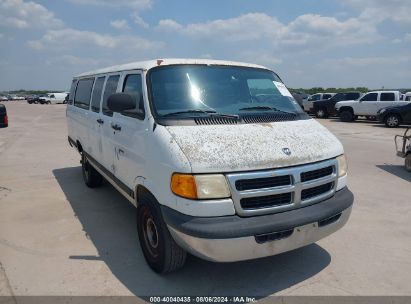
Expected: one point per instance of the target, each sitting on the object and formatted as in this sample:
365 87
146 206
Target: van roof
146 65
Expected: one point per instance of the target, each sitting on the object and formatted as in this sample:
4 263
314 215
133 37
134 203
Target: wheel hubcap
152 235
392 121
320 113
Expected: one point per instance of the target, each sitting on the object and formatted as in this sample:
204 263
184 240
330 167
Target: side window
326 96
96 97
315 97
133 86
387 97
353 96
370 97
83 93
111 87
72 91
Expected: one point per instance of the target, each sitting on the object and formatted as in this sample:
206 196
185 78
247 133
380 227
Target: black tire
161 252
321 113
91 177
407 162
346 116
392 120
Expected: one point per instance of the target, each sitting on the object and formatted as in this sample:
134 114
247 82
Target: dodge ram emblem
287 151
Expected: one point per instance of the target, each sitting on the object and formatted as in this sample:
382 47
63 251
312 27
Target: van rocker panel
228 227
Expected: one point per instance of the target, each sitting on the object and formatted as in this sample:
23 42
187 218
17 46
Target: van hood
230 148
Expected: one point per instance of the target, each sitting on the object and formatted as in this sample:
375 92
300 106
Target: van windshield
193 90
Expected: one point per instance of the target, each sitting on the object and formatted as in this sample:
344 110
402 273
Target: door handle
116 127
100 121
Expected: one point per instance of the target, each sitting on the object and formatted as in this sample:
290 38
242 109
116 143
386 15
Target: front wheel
161 252
392 121
321 113
346 116
408 162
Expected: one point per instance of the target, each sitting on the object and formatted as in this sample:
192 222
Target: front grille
316 174
216 120
264 118
260 183
278 190
266 201
315 191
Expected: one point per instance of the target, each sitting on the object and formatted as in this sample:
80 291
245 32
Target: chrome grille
278 190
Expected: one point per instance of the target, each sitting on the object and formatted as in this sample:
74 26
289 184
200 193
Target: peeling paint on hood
229 148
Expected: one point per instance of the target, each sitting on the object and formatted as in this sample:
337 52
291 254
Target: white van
53 98
217 156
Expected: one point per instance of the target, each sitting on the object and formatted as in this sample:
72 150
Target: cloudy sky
308 42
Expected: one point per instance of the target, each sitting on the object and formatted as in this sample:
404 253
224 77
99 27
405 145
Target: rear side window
133 86
387 97
83 93
111 87
370 97
353 96
326 96
72 91
96 97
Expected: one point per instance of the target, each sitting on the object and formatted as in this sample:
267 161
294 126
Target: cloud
134 4
20 14
71 38
379 10
120 24
139 21
305 30
168 25
70 60
361 62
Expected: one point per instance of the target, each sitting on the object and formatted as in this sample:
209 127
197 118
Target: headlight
203 186
342 165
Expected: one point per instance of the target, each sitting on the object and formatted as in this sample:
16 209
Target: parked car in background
298 98
3 98
325 108
33 99
53 98
308 104
368 105
407 96
395 116
4 121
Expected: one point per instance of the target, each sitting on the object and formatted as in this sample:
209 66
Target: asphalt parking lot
58 237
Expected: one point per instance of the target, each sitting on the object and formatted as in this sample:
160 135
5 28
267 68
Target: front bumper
232 238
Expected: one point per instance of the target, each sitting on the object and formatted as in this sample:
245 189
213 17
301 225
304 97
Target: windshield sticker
282 88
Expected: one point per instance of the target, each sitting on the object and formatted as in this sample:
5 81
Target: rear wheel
392 121
159 248
408 162
91 177
346 116
321 113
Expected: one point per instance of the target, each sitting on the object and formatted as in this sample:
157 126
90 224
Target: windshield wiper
195 111
265 108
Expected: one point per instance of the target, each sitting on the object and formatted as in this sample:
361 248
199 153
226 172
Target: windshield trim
166 121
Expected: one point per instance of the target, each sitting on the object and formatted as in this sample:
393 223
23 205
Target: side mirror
121 102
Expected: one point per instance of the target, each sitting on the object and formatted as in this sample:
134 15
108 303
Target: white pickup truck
369 104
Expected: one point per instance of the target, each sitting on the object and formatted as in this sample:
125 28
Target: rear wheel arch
346 108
